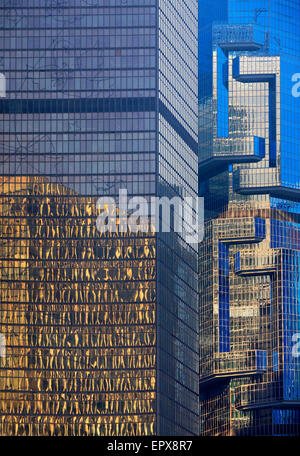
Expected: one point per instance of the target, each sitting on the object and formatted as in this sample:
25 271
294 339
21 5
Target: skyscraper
101 329
250 175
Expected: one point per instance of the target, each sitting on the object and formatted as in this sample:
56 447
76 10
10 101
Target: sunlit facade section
78 314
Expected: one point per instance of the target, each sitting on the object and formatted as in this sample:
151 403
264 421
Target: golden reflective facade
78 314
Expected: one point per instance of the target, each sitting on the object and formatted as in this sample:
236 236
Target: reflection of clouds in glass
11 15
57 3
34 155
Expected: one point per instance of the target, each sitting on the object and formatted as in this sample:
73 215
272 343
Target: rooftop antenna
258 12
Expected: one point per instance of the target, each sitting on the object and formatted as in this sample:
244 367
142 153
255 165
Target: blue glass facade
249 260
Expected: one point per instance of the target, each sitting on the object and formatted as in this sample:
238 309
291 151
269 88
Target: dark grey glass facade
101 330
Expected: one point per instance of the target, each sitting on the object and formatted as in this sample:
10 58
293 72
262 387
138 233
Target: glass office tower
249 171
101 329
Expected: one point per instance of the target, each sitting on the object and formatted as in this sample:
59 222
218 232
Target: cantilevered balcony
262 395
227 151
242 37
256 262
241 230
232 365
256 69
263 180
